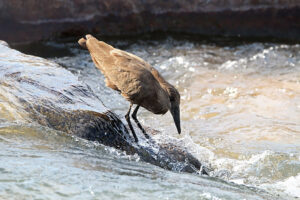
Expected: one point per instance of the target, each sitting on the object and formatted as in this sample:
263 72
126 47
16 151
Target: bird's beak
176 116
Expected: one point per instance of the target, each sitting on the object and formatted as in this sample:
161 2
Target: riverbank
259 19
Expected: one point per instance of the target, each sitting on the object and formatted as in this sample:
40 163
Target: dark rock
42 92
33 20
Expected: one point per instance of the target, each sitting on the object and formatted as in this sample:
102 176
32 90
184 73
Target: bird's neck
160 79
163 83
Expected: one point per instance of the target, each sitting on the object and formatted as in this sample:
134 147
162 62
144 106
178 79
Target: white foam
207 195
291 186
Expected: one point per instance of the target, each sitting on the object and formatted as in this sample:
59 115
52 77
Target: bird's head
174 97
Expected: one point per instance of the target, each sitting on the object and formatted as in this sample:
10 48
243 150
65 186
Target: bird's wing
134 78
128 56
130 74
139 62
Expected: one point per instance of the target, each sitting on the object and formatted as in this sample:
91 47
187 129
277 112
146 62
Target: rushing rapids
240 116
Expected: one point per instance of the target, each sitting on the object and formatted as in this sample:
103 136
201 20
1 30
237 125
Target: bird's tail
82 41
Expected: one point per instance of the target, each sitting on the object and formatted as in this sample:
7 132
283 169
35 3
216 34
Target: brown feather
137 80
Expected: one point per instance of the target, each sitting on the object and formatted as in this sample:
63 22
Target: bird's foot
139 124
133 134
142 129
127 117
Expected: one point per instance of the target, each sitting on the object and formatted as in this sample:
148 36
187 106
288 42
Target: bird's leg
127 117
137 121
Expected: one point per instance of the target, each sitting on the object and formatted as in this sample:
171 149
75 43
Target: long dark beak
176 116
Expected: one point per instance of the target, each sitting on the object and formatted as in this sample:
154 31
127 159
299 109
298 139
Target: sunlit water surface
240 112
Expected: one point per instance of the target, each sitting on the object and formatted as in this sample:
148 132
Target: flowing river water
240 113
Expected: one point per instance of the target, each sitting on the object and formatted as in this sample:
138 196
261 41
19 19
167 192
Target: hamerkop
136 80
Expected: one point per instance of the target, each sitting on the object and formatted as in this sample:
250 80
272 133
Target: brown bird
136 80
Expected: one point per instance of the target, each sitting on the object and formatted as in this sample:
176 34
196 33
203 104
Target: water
240 116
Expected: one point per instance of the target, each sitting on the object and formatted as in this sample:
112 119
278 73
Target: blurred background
33 20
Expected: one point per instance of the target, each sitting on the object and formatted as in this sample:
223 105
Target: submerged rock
39 91
32 20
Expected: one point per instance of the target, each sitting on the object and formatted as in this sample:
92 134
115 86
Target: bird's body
136 80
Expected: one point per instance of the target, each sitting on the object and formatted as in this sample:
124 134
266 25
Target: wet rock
38 91
33 20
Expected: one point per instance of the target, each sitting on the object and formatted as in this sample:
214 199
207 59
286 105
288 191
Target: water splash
240 116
